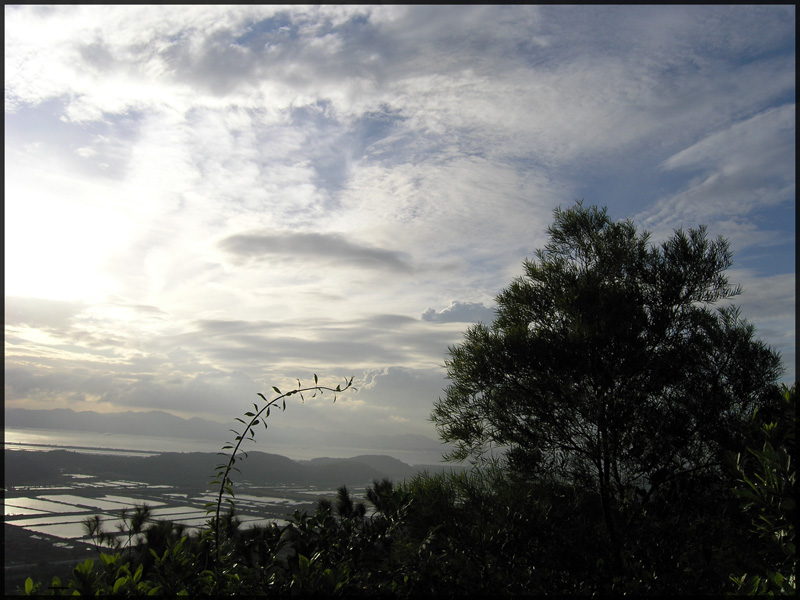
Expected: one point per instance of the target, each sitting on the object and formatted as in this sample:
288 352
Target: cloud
316 246
400 393
239 195
261 347
769 302
39 312
495 88
747 166
461 312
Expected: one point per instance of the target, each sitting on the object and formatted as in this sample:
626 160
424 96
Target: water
146 445
62 515
99 443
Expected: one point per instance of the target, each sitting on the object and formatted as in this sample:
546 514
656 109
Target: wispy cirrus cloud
732 176
733 171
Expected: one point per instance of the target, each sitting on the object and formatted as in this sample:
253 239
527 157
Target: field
49 494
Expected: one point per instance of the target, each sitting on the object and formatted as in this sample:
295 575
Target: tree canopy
608 365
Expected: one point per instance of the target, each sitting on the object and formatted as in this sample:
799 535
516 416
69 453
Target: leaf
745 493
28 585
304 564
776 578
277 391
315 379
108 559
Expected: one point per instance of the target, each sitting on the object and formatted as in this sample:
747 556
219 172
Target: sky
204 202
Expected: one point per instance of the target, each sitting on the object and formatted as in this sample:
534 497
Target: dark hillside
391 467
196 469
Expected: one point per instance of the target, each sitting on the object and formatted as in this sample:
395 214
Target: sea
145 445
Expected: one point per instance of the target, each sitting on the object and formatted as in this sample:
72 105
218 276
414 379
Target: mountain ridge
196 469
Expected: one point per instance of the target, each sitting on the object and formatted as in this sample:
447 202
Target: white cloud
464 312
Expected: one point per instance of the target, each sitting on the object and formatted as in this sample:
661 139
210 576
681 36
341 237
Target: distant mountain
380 463
196 469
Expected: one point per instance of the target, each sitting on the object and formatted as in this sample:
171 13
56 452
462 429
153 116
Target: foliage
471 531
768 484
608 370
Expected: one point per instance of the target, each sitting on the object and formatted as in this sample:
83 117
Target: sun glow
55 247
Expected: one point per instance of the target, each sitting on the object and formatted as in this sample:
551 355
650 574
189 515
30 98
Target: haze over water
143 445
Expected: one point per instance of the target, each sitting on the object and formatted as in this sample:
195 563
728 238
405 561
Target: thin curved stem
254 420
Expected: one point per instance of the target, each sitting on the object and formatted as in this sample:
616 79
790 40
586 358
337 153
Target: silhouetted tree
133 523
608 369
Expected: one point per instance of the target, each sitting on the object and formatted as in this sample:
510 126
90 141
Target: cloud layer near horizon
206 201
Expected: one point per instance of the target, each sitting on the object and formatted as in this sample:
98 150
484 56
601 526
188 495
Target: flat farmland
43 517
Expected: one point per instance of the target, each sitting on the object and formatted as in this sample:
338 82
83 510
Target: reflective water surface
62 515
